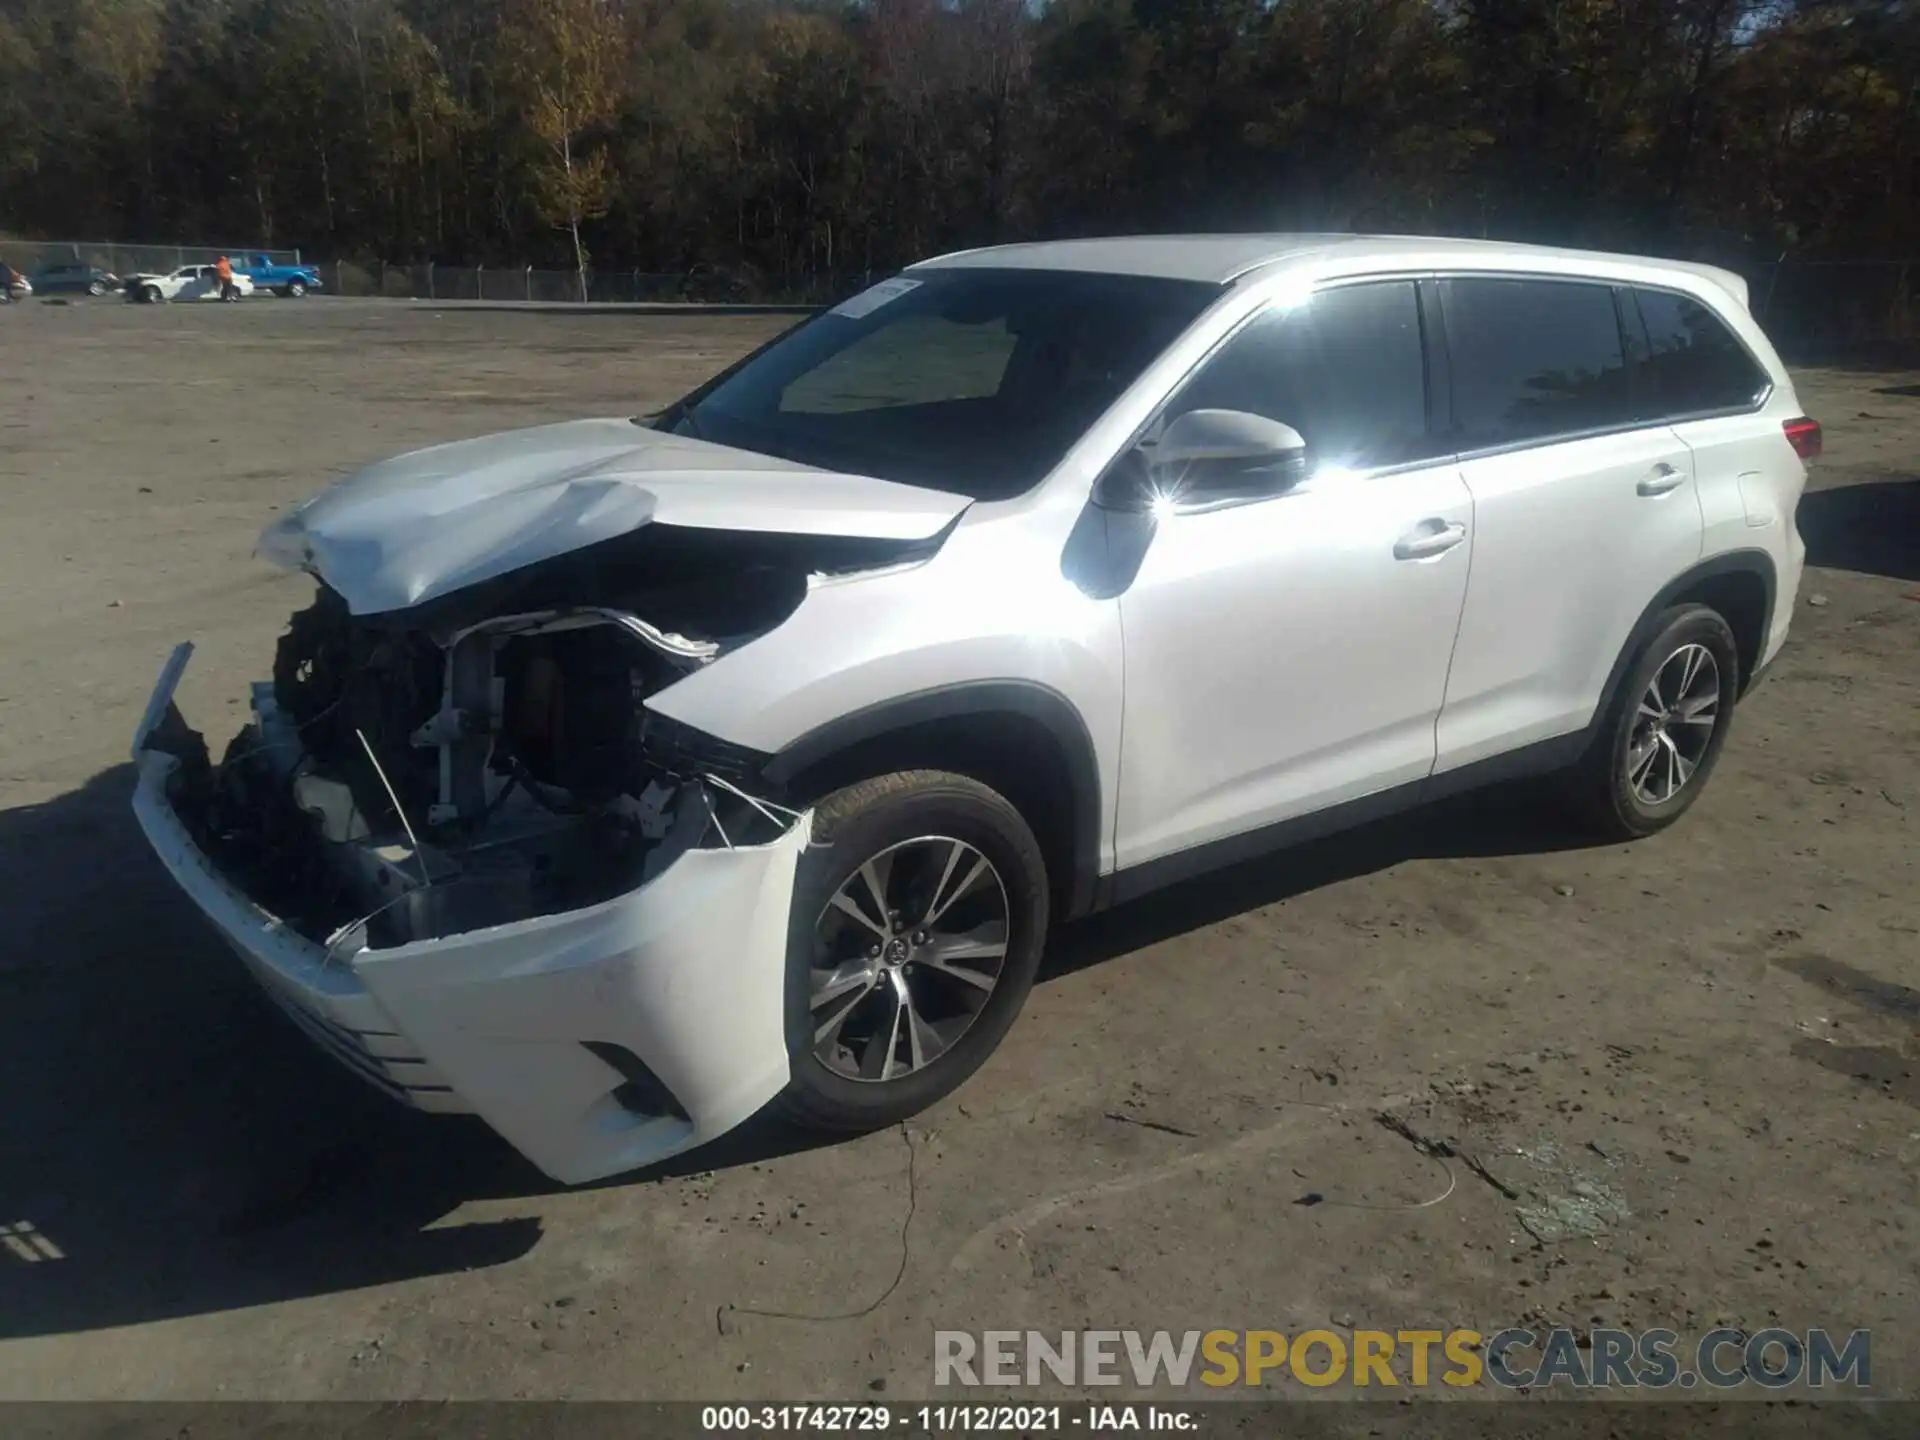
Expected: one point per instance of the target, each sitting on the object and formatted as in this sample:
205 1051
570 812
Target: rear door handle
1663 479
1430 538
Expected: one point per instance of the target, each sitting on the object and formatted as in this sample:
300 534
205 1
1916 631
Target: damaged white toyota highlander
628 776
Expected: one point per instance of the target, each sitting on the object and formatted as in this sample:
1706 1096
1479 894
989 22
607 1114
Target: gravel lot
1703 1050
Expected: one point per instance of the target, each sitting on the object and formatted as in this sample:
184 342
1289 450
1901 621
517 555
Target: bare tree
564 57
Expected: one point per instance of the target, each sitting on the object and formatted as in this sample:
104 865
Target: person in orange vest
223 267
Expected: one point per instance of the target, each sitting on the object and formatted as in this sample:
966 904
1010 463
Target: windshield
972 381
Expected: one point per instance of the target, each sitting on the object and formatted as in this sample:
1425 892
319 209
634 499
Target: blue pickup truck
293 281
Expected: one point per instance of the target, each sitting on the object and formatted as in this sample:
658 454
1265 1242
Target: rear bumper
685 973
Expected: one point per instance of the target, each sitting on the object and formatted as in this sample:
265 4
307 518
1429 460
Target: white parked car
629 775
189 282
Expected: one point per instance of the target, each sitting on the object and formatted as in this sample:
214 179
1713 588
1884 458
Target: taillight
1804 435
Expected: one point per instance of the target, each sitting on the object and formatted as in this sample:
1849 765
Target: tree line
791 140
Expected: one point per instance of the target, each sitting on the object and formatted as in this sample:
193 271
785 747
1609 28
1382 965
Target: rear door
1583 509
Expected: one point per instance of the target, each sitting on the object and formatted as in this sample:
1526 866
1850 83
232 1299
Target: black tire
853 826
96 288
296 290
1603 787
150 294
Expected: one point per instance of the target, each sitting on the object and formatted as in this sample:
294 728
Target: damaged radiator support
546 795
463 730
474 698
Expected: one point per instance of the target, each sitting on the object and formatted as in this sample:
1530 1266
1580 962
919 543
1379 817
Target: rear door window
1693 363
1345 370
1533 359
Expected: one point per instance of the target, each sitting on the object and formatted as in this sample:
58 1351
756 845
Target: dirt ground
1695 1061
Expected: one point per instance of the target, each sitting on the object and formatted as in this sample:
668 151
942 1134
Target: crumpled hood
423 525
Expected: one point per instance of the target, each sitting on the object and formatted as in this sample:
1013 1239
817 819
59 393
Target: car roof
1219 259
1226 259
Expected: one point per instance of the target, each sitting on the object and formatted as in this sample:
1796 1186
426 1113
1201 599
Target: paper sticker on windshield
868 301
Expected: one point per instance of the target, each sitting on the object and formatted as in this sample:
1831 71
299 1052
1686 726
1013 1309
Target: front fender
990 622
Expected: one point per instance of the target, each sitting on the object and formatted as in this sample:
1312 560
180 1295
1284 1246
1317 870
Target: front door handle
1663 479
1430 538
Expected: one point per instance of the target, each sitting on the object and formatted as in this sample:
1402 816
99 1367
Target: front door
1291 653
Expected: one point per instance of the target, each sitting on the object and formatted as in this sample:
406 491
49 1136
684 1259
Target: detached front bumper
680 984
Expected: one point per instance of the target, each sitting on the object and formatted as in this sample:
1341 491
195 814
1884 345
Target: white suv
629 775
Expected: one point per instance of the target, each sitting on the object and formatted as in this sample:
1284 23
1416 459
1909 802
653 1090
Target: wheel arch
1024 739
1741 585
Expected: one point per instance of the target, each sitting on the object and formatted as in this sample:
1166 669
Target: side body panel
1751 482
1282 658
1569 548
995 607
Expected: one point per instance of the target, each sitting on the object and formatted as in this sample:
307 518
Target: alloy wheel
1673 725
906 954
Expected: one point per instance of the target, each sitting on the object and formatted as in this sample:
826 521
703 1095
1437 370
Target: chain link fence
497 283
33 256
1811 308
703 284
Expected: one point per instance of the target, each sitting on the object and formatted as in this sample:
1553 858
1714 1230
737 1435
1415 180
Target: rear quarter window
1692 362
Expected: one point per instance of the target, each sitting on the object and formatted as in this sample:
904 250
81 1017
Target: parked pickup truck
292 281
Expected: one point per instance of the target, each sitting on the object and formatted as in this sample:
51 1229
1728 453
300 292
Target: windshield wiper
676 419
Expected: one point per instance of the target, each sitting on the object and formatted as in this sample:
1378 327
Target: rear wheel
918 919
1666 728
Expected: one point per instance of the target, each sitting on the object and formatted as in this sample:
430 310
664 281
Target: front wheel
296 290
97 288
151 295
1666 728
918 919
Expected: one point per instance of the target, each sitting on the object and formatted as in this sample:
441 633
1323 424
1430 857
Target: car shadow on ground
1872 528
1512 819
170 1145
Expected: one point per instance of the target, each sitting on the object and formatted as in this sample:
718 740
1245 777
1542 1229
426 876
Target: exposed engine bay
488 757
392 788
420 774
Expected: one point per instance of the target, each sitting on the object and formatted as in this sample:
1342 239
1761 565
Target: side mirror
1207 458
